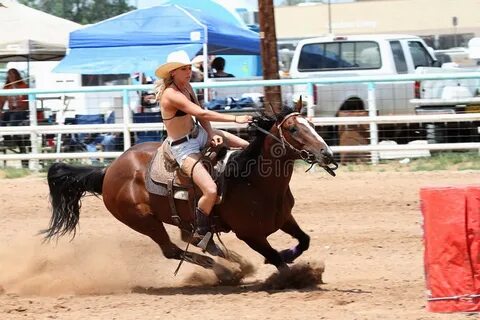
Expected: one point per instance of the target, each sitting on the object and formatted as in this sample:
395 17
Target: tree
81 11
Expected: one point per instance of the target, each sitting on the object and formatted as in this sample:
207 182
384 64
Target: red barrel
452 247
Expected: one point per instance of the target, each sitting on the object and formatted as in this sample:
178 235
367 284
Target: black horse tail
68 184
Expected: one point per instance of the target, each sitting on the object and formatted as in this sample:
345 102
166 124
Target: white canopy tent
28 34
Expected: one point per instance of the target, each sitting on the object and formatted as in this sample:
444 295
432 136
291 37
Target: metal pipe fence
36 132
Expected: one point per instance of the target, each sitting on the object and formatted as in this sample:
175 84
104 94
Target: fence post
32 109
372 113
126 120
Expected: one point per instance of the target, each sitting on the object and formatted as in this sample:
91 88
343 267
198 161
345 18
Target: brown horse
258 201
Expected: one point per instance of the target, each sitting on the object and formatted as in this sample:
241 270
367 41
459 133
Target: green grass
446 160
449 161
13 173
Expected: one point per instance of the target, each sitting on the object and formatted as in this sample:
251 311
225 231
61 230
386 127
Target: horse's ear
299 105
274 114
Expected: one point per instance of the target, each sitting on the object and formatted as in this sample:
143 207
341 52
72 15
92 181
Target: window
368 55
398 57
311 57
348 55
420 56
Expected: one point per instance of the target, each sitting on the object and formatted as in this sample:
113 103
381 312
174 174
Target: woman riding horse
186 138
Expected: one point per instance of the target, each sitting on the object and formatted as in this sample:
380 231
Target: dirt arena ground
366 227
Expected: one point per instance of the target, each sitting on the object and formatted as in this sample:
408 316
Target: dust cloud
30 267
299 276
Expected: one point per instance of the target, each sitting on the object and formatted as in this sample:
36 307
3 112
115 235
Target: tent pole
204 49
205 72
28 64
205 63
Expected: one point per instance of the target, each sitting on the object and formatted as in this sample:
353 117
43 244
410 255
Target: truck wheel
352 104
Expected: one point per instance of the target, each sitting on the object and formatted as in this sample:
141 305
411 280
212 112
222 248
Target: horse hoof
288 255
226 275
246 267
284 269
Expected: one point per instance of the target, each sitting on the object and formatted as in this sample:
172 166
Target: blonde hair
161 85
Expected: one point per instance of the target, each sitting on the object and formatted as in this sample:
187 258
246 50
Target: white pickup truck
367 55
449 95
360 55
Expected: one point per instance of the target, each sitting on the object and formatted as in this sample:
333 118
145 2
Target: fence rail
127 127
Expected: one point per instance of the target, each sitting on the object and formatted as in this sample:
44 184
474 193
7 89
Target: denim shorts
193 145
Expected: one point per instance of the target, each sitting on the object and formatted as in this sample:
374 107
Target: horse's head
298 134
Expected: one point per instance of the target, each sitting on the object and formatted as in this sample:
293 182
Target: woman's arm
208 127
179 101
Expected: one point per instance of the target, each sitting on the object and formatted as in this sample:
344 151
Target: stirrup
204 240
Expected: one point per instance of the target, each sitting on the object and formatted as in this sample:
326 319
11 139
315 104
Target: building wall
417 17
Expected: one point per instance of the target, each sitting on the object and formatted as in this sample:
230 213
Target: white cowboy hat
175 60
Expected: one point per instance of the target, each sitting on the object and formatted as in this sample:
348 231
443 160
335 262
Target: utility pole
455 23
268 39
329 17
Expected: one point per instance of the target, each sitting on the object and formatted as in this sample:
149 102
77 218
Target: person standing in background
17 105
198 76
17 112
197 69
218 64
147 98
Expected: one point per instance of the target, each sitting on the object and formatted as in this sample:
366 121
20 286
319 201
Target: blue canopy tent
140 40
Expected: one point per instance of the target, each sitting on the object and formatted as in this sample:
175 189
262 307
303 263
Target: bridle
305 155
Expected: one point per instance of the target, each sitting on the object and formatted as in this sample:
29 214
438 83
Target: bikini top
180 113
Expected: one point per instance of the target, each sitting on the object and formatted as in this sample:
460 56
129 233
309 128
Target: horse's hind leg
148 225
291 227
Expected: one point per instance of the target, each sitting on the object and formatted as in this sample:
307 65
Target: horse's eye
292 129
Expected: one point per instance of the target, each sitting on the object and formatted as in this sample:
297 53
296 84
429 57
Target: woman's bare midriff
178 127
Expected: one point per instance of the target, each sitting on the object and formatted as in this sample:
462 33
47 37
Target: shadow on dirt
301 277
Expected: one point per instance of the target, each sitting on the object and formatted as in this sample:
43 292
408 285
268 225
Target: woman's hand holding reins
243 119
216 140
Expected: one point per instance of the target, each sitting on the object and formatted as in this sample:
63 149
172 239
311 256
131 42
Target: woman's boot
203 233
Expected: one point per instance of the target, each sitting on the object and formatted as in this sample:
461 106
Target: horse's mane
265 121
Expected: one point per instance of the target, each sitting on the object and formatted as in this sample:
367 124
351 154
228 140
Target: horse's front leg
291 227
262 246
